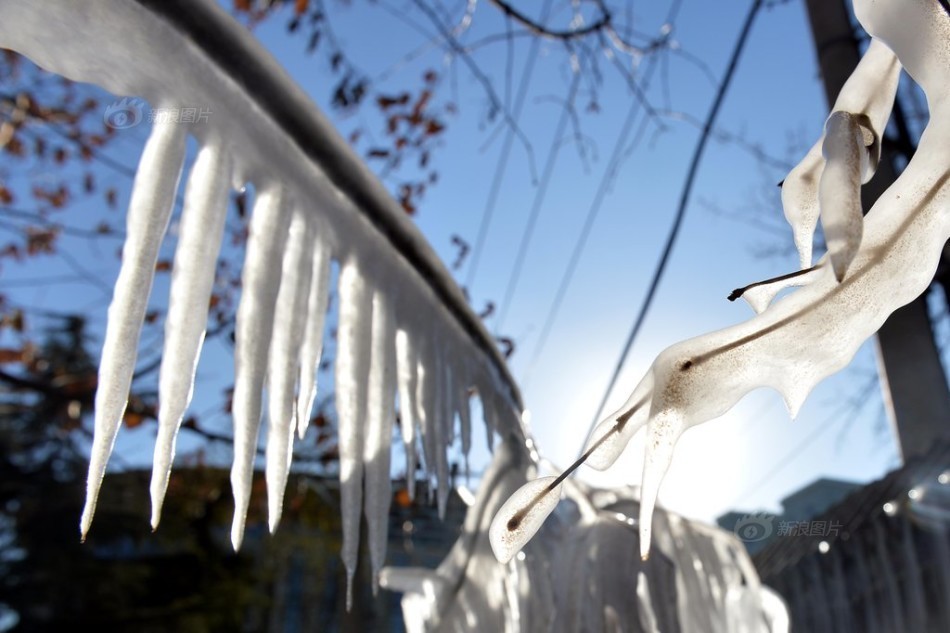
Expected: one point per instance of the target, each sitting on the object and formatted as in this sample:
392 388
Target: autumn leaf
402 498
405 199
57 198
421 104
41 240
133 419
386 102
14 320
15 147
10 355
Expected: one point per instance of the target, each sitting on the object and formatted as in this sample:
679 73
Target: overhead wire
502 164
681 208
617 155
580 244
539 197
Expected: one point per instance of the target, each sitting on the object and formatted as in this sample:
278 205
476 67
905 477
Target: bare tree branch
539 29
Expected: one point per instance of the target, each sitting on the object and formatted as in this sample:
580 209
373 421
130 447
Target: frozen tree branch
602 22
880 263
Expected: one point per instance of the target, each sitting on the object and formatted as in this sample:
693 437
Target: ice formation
875 264
404 328
580 573
403 324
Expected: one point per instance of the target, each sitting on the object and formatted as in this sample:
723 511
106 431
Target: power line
495 187
612 166
581 242
681 209
536 205
616 157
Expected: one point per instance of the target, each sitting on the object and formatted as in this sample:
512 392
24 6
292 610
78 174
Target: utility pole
913 382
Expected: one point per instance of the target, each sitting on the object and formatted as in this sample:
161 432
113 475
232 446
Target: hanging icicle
379 431
290 319
314 201
202 218
312 347
260 281
150 207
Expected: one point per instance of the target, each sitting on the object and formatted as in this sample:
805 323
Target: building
886 566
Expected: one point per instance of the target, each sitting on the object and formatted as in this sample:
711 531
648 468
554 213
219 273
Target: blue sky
749 458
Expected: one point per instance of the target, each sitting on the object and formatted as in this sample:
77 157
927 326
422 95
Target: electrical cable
680 211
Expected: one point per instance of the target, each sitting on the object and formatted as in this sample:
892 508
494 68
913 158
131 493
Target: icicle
199 241
465 422
611 436
352 367
153 195
407 368
663 431
490 409
800 202
428 401
839 191
260 282
312 347
442 425
869 91
290 319
379 432
522 516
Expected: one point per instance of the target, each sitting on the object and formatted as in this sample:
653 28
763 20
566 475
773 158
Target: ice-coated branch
875 265
868 95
